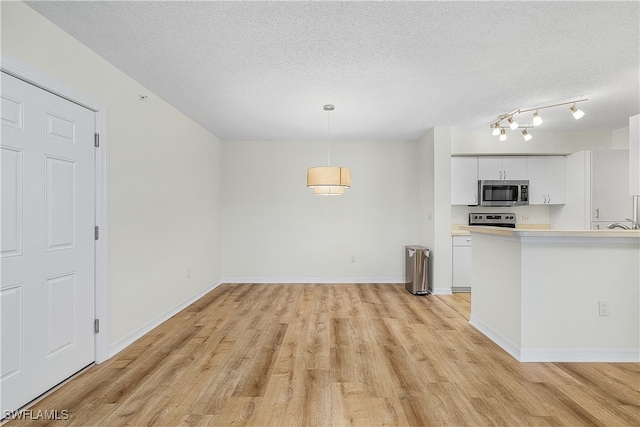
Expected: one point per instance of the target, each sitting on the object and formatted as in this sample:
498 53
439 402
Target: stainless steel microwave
503 193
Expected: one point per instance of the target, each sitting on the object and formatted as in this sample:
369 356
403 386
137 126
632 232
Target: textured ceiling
263 70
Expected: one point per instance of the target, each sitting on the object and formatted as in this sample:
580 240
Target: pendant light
328 180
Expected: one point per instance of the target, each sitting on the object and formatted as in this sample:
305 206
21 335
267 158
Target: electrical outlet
188 272
526 217
353 259
603 308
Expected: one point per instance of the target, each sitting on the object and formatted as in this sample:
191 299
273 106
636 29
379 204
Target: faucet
618 225
634 224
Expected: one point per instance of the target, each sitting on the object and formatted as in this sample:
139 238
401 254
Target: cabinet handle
598 213
548 199
505 174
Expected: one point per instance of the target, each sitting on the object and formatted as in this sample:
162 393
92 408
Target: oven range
493 219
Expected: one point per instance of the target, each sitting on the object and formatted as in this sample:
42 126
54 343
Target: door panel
47 245
11 209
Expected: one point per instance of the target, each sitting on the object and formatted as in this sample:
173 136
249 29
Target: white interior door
46 242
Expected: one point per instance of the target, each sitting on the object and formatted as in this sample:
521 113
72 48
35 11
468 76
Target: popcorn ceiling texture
263 70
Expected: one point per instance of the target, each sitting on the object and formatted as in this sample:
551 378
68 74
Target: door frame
37 78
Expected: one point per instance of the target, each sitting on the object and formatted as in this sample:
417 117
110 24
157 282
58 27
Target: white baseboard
126 341
609 355
441 291
263 280
504 343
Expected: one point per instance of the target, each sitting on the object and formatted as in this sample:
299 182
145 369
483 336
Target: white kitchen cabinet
502 167
464 180
547 180
634 155
610 200
461 262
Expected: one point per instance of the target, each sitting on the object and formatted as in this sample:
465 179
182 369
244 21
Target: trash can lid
415 247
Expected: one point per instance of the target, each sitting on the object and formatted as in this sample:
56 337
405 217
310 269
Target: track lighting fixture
498 129
537 120
577 113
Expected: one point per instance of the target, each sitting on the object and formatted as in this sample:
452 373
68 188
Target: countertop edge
516 232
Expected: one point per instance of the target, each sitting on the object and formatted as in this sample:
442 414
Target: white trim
611 355
129 339
441 291
37 78
266 280
504 343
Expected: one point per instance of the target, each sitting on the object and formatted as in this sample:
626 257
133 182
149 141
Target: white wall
275 230
435 212
544 142
164 177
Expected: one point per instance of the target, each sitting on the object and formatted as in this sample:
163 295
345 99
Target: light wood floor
337 355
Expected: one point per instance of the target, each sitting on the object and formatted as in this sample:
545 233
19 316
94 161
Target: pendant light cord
329 138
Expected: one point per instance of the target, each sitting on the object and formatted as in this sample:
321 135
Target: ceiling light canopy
498 129
328 180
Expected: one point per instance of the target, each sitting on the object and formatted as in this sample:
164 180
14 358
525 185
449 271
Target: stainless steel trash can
417 269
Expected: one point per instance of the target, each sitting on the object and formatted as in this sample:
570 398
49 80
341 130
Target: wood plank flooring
336 355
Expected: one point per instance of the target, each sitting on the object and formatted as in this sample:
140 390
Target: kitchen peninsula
558 295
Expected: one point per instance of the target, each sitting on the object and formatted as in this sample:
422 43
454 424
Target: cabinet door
461 262
537 176
502 167
610 200
514 167
556 180
464 180
490 167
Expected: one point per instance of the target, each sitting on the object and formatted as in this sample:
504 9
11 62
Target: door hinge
96 139
96 326
97 232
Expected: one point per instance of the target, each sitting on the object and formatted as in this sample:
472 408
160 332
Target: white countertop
520 232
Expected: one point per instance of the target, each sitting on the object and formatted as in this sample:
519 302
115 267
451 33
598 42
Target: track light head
496 130
577 113
527 136
537 120
503 135
513 125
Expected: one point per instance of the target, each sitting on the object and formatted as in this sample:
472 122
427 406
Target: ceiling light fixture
328 180
498 129
577 113
537 120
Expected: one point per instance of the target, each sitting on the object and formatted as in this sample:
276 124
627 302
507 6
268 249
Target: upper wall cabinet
634 155
610 200
464 180
547 180
502 167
